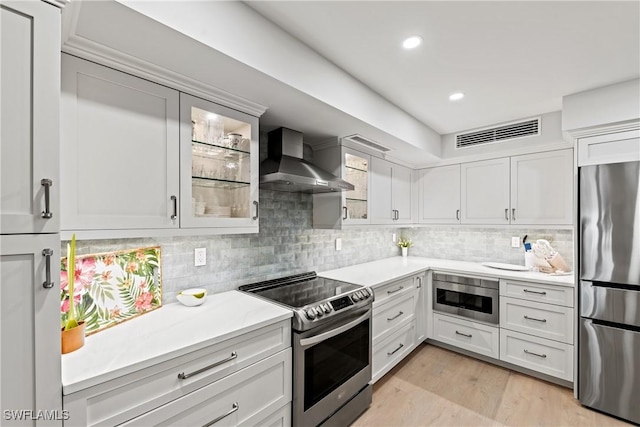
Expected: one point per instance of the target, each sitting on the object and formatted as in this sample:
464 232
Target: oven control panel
330 307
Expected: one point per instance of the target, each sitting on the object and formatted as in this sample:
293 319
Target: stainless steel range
331 346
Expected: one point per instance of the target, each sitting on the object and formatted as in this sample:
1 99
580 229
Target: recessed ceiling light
456 96
411 42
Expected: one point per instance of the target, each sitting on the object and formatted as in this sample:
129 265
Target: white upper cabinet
335 210
440 195
119 150
485 192
30 85
542 188
218 166
391 192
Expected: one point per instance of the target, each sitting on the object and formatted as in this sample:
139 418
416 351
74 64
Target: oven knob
310 313
355 297
326 307
365 294
319 311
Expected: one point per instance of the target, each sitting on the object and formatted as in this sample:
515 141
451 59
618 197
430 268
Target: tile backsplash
287 244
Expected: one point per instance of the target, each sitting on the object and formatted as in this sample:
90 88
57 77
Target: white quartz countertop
387 270
165 333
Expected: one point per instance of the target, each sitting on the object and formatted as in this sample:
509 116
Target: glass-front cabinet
356 171
219 166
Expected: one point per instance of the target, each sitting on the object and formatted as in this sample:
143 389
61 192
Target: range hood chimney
286 170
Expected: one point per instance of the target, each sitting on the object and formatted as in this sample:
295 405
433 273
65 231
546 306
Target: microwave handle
315 339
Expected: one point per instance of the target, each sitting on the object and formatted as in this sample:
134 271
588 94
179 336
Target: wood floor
437 387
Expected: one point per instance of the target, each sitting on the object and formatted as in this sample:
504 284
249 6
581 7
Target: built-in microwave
470 297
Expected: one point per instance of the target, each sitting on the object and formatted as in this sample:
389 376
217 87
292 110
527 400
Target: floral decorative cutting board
112 287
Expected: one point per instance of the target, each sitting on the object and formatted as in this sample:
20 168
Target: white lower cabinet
238 399
397 309
477 337
537 327
539 354
248 377
392 349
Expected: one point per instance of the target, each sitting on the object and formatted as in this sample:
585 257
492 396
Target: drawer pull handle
534 319
396 290
542 356
47 184
534 292
419 281
400 313
464 335
184 376
234 408
391 353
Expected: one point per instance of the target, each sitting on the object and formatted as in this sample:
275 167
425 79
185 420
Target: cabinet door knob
47 184
47 254
174 199
257 205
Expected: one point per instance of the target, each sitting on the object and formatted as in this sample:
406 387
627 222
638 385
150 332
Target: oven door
332 364
472 302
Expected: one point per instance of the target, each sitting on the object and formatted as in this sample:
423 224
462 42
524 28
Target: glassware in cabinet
222 159
357 173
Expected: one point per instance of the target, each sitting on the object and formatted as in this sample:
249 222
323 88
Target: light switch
515 242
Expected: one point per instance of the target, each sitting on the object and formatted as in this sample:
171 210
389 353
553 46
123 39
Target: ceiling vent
498 134
367 142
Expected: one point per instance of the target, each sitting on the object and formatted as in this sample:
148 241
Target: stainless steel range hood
286 170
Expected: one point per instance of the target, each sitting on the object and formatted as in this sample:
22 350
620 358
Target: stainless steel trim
391 353
542 356
257 205
610 223
47 184
234 407
315 339
400 313
534 292
534 319
464 335
396 290
602 301
174 199
47 253
184 376
481 282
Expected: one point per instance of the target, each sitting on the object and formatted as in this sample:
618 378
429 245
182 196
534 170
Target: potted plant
72 333
404 244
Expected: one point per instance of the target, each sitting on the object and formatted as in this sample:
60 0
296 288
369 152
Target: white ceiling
511 59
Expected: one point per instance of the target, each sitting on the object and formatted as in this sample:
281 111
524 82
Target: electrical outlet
515 242
200 257
338 244
393 237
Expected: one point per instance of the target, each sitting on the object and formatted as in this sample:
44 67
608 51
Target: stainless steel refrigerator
609 331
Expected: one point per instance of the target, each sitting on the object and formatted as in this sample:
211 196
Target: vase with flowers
404 244
73 329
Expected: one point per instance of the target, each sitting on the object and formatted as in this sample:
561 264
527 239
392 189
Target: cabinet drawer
243 398
552 294
393 289
388 316
468 335
392 350
280 418
539 354
543 320
129 396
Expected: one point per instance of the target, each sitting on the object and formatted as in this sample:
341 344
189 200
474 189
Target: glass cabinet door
356 201
219 165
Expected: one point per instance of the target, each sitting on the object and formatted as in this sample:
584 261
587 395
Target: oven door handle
307 342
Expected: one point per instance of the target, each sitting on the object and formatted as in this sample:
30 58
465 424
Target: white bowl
192 297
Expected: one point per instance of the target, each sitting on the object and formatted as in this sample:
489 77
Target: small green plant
71 275
404 242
